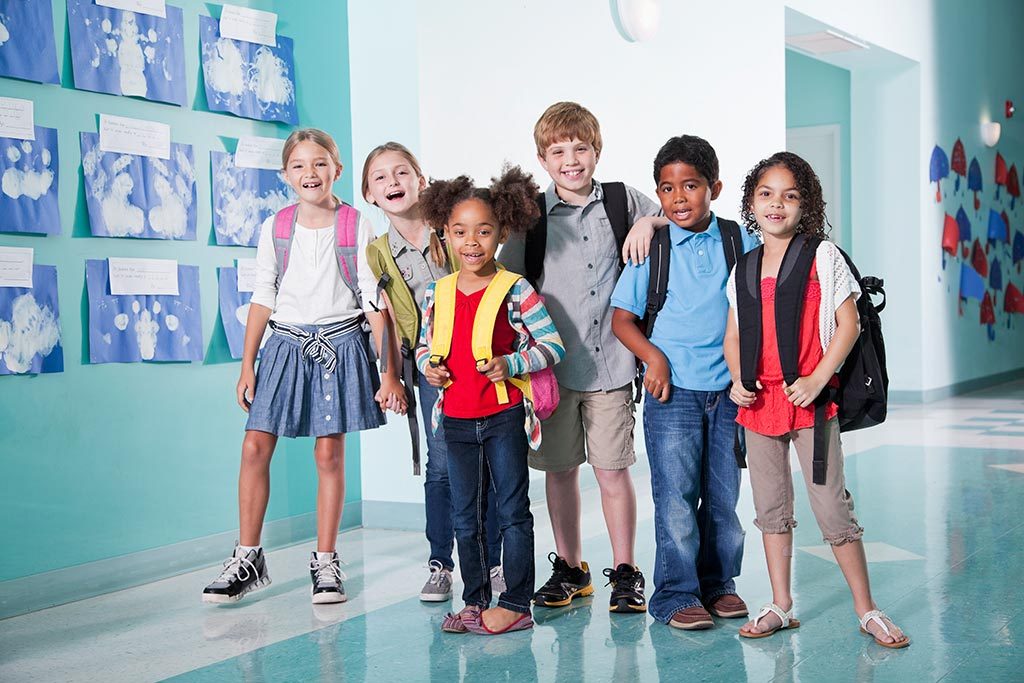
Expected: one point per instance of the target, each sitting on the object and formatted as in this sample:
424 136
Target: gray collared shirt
417 266
581 267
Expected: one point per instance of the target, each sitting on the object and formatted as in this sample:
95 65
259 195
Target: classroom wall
475 77
121 460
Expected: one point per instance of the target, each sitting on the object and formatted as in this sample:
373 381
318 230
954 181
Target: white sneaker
438 587
498 581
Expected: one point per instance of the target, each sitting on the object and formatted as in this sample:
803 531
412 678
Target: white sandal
879 616
771 608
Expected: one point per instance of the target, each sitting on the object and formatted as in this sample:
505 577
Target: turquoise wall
106 460
818 94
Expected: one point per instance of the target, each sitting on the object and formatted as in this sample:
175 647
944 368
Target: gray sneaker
498 581
438 587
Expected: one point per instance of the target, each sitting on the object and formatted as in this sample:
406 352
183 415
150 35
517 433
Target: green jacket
405 308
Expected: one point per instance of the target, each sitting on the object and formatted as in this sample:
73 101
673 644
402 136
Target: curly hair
812 204
511 196
688 149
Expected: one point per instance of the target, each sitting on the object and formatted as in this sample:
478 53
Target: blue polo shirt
690 329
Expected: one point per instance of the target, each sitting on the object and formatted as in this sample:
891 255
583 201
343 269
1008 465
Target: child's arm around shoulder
548 348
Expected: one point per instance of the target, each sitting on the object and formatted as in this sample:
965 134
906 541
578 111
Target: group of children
474 336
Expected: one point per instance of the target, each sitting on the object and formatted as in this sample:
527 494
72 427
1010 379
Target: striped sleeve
426 332
546 348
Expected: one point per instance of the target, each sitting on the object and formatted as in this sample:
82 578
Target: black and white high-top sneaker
243 573
327 579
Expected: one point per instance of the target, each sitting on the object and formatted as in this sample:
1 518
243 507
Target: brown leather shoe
728 606
692 619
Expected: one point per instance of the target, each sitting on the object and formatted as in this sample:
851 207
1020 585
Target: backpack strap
345 228
748 314
284 226
732 242
536 244
657 282
444 318
616 206
483 323
790 287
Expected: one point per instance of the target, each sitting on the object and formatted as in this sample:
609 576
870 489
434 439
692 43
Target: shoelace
436 572
559 571
235 568
327 572
619 580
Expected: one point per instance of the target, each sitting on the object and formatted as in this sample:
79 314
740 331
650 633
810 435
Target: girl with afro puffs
484 415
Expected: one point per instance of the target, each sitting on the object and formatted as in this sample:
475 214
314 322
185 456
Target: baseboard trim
965 387
61 586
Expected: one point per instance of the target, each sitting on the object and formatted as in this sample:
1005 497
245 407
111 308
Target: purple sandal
454 623
475 624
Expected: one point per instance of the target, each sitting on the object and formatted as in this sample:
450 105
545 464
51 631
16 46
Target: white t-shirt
312 291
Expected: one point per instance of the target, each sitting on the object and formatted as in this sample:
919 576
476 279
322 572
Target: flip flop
475 624
788 622
879 616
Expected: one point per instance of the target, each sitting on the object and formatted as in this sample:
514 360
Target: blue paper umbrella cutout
27 47
972 285
126 53
30 326
243 198
1018 247
997 229
29 171
974 182
234 309
995 275
131 328
964 224
247 79
937 170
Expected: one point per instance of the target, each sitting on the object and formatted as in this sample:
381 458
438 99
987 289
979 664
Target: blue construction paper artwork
997 228
28 184
248 79
243 198
938 168
30 326
974 181
132 328
995 275
27 47
234 310
134 196
963 224
125 53
972 285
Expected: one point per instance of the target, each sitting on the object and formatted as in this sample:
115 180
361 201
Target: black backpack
615 205
863 381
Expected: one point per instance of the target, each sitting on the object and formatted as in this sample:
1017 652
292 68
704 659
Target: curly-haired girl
484 415
782 200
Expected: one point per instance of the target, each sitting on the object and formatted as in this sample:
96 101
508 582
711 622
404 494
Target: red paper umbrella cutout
1000 172
958 163
950 235
1013 185
1013 302
978 260
988 311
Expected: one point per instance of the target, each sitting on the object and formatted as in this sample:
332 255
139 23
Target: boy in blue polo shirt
689 421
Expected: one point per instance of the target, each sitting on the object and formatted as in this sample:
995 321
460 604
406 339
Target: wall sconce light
990 133
637 20
1010 109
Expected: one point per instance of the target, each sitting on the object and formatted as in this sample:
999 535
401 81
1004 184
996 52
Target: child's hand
741 396
804 390
658 379
391 396
437 375
496 369
246 388
638 242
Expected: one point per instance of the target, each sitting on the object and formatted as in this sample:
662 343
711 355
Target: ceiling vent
824 42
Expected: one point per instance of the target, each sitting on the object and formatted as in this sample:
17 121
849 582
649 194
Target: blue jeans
696 482
481 452
437 493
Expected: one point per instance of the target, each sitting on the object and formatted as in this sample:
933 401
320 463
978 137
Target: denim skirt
296 396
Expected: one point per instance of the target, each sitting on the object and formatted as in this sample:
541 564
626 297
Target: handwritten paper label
246 274
134 136
16 266
156 8
253 152
17 119
143 276
250 25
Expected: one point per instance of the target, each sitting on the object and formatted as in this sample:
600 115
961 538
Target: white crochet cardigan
837 284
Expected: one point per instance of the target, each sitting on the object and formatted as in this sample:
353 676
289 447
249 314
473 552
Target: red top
471 394
771 413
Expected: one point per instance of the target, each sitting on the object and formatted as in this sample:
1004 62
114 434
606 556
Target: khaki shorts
589 426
